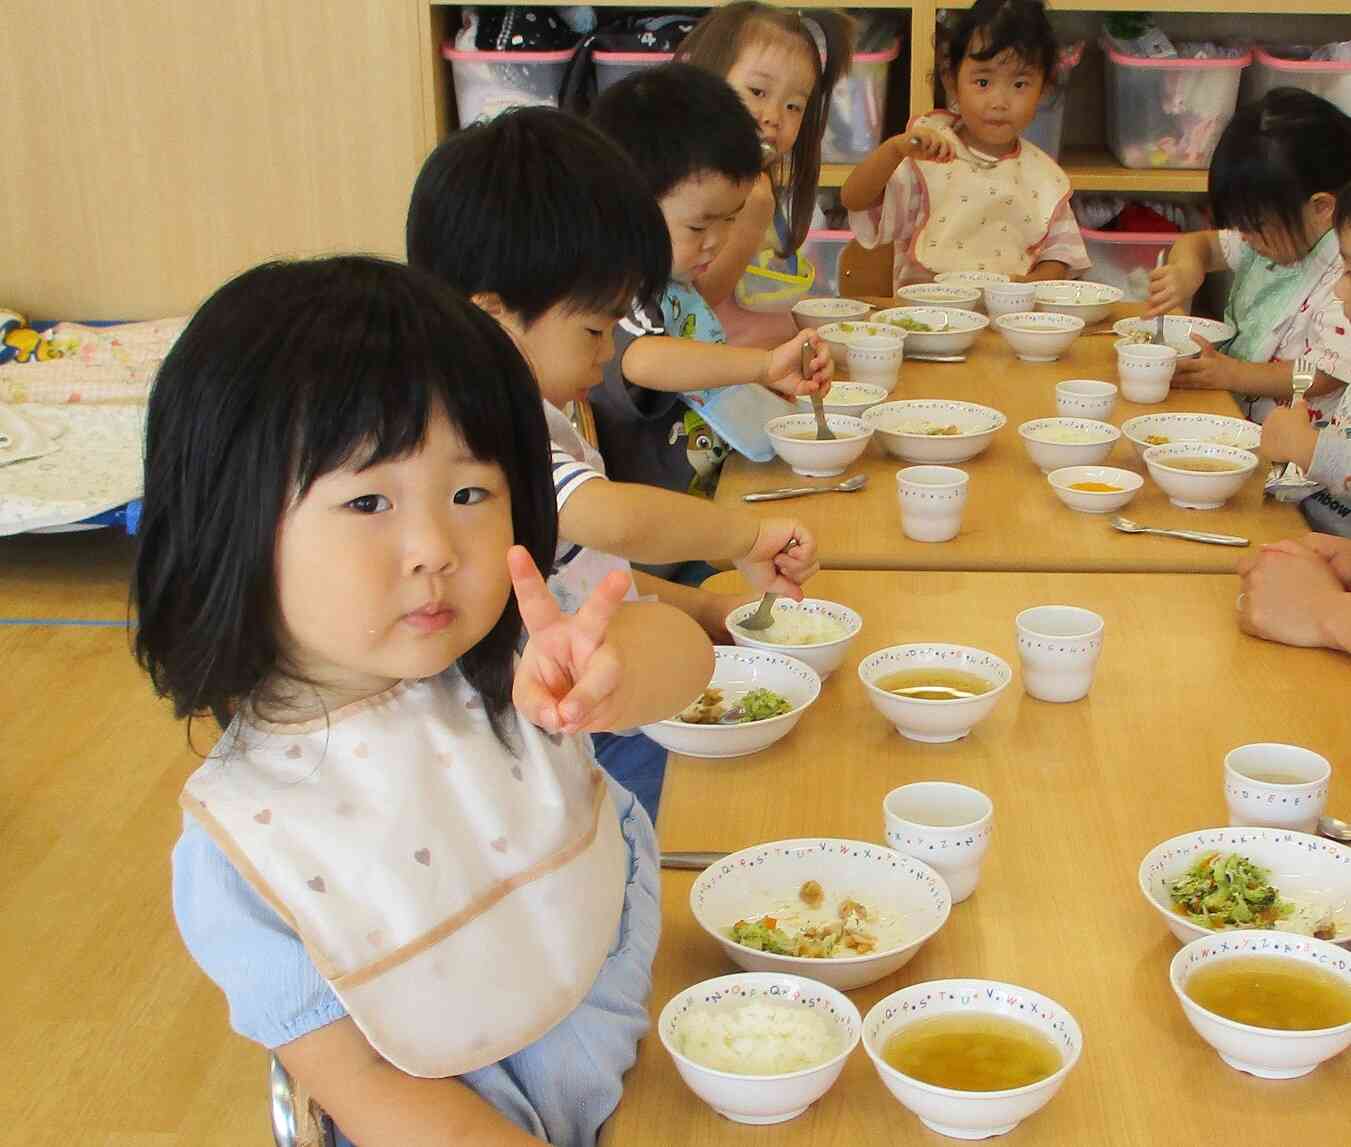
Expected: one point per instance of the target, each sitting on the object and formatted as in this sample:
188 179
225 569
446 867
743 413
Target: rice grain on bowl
798 627
758 1037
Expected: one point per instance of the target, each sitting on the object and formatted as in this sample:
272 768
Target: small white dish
1039 337
823 656
1255 797
759 879
1145 371
934 722
1177 332
849 398
814 457
1063 481
877 359
736 671
959 328
1091 302
902 427
817 312
1009 298
932 499
1269 1053
1040 435
956 295
1312 873
1196 489
971 1114
946 825
1085 398
760 1099
1167 428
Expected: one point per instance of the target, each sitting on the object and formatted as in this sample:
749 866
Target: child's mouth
431 618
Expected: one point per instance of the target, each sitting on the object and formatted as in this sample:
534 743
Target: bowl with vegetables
755 697
1163 429
1220 879
838 335
844 912
934 330
942 431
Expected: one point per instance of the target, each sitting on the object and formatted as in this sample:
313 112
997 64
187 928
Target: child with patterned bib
400 862
960 190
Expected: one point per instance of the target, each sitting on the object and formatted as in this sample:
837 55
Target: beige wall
152 149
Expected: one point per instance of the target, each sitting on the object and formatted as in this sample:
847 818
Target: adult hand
1288 594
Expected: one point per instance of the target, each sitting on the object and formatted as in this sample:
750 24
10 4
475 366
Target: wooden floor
111 1036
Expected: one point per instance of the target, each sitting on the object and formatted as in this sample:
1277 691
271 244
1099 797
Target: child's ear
489 301
1324 205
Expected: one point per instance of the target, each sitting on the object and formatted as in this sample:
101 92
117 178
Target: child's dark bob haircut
1274 156
286 373
678 121
539 208
1341 214
989 28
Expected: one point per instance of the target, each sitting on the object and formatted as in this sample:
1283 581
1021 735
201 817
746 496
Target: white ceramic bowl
1009 298
760 1098
812 457
1210 428
817 312
1039 337
838 336
876 358
848 398
1312 873
1270 1053
1048 455
955 338
735 671
1178 331
971 1114
823 656
1145 371
1094 501
1088 301
934 721
1195 489
977 425
1085 398
751 882
956 295
971 278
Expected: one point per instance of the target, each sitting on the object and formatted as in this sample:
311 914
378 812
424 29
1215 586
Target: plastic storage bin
858 108
823 249
1125 258
1288 67
1046 129
487 83
611 67
768 285
1169 112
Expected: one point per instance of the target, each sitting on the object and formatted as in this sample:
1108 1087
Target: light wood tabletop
1013 520
1081 792
75 576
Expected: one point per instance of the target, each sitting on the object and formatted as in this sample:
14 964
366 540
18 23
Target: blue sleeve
274 992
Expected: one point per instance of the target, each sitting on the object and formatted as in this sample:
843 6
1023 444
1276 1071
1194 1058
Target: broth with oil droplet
1272 992
1201 465
972 1052
936 680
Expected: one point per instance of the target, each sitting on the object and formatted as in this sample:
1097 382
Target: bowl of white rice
759 1047
815 631
1053 443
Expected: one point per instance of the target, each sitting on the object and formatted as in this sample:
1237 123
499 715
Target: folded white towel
22 439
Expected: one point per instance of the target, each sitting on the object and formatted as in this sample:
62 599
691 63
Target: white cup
932 499
876 358
1009 298
946 825
1278 786
1058 646
1085 398
1145 371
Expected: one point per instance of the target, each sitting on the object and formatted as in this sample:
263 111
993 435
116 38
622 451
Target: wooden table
1013 519
80 576
1081 793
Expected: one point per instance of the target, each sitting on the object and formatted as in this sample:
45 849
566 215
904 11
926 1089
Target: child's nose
430 547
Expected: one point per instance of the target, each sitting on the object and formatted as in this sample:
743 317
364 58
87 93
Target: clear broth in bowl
1202 465
1272 992
937 680
972 1052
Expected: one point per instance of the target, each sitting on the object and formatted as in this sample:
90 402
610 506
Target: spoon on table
823 431
1334 829
848 486
1126 526
763 617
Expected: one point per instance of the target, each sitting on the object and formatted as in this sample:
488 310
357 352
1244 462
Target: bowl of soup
1036 336
1094 489
1055 442
971 1058
793 437
1271 1005
849 398
939 430
844 912
1088 301
1199 476
934 330
815 631
759 1047
931 691
1167 429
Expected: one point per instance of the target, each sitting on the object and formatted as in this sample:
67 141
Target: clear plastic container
858 108
1169 112
1289 67
1046 129
1125 258
823 249
487 83
611 67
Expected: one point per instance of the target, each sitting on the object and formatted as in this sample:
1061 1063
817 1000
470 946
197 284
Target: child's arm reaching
659 362
1193 256
610 665
748 233
377 1105
867 183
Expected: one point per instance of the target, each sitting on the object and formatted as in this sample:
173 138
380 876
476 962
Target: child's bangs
1250 190
1009 36
786 32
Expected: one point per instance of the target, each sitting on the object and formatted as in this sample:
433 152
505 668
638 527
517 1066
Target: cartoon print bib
459 898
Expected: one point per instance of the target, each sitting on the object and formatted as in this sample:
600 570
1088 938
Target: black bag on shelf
656 33
520 30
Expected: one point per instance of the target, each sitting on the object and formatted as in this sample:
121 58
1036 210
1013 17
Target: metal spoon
697 861
1126 526
1158 339
848 486
763 617
1334 829
823 430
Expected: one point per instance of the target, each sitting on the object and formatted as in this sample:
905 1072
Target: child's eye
469 495
698 230
369 504
758 93
797 108
982 83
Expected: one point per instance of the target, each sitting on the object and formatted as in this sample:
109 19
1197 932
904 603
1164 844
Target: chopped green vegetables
764 936
1225 890
760 704
908 324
